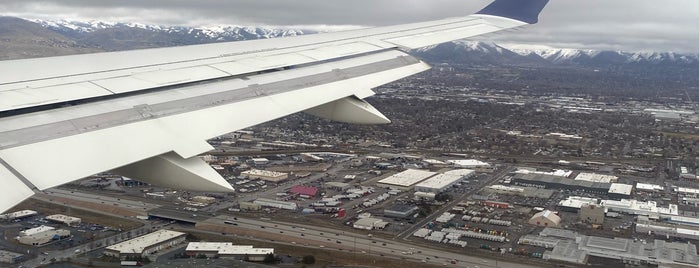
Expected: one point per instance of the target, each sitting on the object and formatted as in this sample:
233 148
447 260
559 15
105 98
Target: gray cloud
600 24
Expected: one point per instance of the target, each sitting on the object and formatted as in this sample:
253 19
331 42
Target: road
313 236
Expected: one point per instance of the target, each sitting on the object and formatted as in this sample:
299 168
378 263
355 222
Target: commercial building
227 250
574 203
265 175
260 161
340 186
18 215
555 172
521 191
593 177
545 218
45 236
649 187
578 249
635 207
474 164
204 199
369 223
406 179
276 204
250 206
620 190
559 182
67 220
143 246
304 191
424 196
442 182
10 257
497 204
401 211
591 213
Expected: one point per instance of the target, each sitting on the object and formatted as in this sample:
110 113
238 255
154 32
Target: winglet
521 10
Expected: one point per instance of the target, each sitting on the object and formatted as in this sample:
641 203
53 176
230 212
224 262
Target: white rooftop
36 230
62 218
228 248
649 187
267 173
687 190
19 214
556 172
506 188
469 163
620 188
440 181
577 202
594 177
461 172
408 177
640 208
139 244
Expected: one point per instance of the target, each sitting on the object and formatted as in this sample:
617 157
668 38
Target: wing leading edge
148 113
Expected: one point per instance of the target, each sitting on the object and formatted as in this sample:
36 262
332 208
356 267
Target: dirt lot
86 216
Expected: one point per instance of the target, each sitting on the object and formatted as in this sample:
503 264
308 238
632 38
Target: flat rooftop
139 244
408 177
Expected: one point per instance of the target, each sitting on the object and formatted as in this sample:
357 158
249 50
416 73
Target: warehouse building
574 203
438 184
405 180
143 246
370 223
520 191
339 186
265 175
10 257
227 250
559 182
635 207
41 236
545 218
204 199
649 187
304 191
18 215
401 211
592 214
276 204
596 177
620 191
67 220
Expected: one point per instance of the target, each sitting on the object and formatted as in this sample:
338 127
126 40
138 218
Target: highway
313 236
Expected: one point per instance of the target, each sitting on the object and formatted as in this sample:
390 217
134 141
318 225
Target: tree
309 259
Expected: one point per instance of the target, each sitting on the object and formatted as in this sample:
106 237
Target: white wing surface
148 113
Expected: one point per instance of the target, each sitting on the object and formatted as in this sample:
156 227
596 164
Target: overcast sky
631 25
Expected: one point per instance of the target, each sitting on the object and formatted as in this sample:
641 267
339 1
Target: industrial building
265 175
10 257
635 207
406 179
369 223
442 182
18 215
649 187
204 199
304 191
574 203
340 186
593 177
497 204
591 213
143 246
276 204
620 190
67 220
42 235
520 191
559 182
401 211
424 196
227 250
545 218
578 249
250 206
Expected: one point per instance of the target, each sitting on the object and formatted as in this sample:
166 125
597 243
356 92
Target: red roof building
304 190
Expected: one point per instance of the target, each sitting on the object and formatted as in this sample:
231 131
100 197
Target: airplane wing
147 114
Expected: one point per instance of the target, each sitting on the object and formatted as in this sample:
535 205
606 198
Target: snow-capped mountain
475 52
91 31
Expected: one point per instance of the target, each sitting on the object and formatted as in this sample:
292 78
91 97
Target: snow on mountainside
119 36
216 32
519 54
